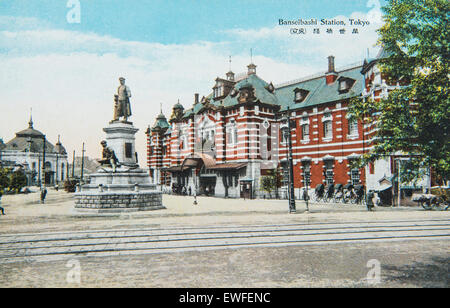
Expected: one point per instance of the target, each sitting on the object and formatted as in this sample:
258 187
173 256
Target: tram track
101 243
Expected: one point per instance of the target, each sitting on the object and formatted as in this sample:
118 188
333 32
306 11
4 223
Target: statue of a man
108 156
122 106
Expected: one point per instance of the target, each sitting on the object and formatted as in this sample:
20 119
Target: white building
27 150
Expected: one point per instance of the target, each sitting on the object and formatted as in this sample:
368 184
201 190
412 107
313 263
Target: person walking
1 208
43 194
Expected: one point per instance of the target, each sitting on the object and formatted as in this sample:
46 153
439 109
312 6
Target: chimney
330 75
196 98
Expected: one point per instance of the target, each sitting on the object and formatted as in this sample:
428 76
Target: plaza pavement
404 263
25 213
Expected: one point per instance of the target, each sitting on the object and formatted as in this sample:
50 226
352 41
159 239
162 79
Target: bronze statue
122 106
108 156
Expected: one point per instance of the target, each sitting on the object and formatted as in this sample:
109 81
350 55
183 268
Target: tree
271 181
4 179
267 183
413 119
18 180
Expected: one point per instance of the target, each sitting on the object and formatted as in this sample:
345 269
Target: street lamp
286 131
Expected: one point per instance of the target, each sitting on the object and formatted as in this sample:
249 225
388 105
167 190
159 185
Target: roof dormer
345 84
300 95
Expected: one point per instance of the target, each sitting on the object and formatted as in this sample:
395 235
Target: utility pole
43 161
57 169
82 163
73 165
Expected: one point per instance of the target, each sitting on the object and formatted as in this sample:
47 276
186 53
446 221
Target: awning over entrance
198 160
175 169
228 166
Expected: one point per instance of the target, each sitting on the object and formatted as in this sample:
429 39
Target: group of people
181 190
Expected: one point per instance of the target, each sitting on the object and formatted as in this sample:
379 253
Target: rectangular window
329 174
355 176
353 127
307 174
305 132
327 129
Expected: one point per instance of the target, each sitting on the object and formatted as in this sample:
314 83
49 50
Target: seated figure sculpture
108 157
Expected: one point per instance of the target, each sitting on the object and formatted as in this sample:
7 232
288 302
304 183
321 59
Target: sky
63 58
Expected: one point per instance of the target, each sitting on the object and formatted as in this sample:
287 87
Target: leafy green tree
267 183
4 179
18 180
413 119
271 181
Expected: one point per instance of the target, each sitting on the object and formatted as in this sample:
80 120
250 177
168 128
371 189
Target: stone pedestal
120 137
128 189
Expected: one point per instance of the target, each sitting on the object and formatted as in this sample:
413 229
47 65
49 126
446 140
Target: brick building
228 139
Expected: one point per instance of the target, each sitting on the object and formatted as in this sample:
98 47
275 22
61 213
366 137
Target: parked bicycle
348 194
319 191
329 193
338 194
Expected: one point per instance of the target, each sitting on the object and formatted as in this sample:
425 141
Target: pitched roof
283 95
319 91
260 90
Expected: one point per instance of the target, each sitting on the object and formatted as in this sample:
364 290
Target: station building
229 139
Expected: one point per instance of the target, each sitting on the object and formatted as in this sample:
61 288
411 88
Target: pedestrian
1 208
43 194
369 200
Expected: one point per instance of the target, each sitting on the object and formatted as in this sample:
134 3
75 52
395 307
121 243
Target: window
329 174
353 127
284 137
300 95
307 173
183 142
327 129
305 132
329 177
371 168
355 176
232 134
345 84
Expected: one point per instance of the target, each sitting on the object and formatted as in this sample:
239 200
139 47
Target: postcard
224 150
